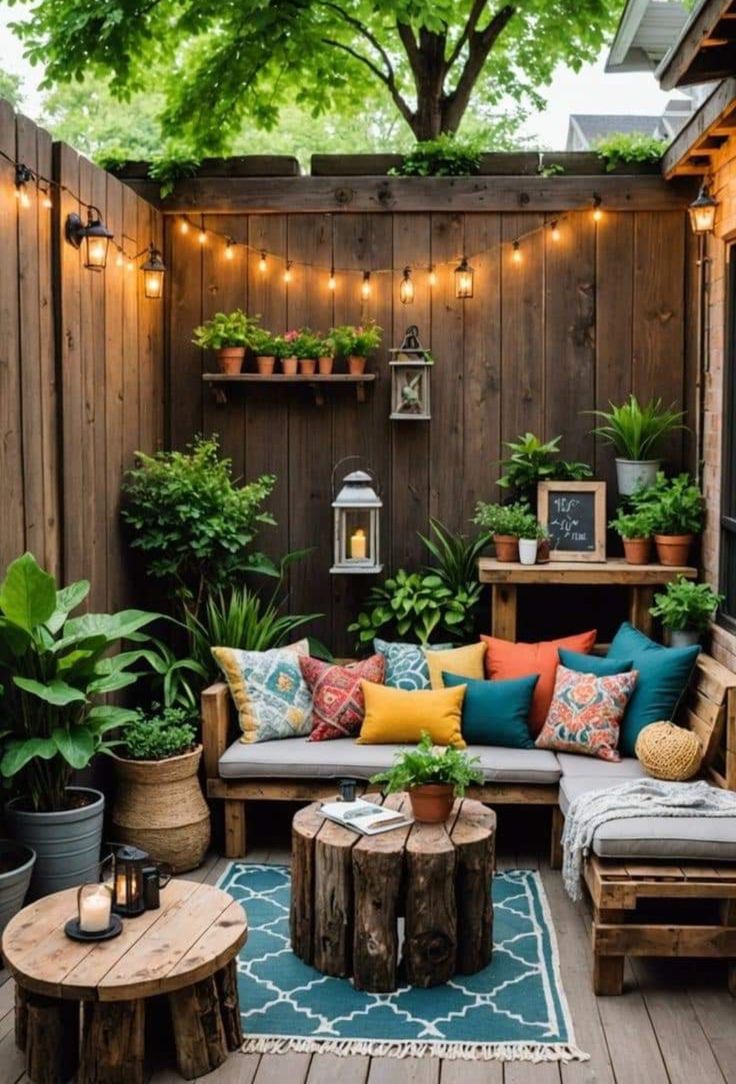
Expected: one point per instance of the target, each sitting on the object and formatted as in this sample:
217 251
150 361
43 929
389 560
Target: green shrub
515 519
359 341
532 461
674 504
445 156
622 148
686 605
637 431
636 524
227 329
424 764
165 732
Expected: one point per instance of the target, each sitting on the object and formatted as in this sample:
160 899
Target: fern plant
424 764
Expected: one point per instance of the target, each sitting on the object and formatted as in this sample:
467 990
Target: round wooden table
185 950
349 891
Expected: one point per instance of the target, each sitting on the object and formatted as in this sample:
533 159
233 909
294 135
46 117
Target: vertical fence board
522 330
116 462
185 313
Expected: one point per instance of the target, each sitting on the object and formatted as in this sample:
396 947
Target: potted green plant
289 357
159 805
532 461
677 512
54 670
637 432
326 357
507 523
228 334
356 343
529 538
635 531
685 609
266 348
307 346
433 778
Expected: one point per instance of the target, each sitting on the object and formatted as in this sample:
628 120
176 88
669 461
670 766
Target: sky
587 91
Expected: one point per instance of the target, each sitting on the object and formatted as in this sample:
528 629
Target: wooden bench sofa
618 883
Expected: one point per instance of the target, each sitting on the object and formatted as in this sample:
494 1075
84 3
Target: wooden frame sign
574 514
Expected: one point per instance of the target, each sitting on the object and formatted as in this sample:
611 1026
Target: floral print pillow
586 712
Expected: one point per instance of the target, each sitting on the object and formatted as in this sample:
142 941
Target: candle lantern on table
128 881
410 366
356 510
94 906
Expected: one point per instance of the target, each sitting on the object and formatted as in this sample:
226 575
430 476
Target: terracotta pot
307 366
265 364
356 365
673 549
431 803
289 366
325 365
543 551
507 547
159 807
638 551
230 359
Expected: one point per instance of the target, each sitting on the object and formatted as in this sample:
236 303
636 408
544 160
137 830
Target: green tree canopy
10 88
227 60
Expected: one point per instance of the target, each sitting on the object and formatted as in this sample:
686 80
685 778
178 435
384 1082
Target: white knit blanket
638 798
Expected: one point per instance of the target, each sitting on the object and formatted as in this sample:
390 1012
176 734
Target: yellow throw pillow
400 715
465 662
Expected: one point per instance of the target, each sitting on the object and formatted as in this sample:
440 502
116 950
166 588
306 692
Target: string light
229 249
365 286
183 226
130 266
202 236
119 260
23 175
332 281
554 231
516 252
432 277
263 263
406 289
46 202
287 273
597 212
464 278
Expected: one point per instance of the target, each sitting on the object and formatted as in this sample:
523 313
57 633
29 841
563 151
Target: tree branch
363 30
469 29
481 42
387 79
413 52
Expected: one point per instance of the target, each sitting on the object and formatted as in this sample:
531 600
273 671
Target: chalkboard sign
574 514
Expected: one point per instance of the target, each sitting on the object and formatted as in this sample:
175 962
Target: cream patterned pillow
272 697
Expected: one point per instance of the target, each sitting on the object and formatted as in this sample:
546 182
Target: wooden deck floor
676 1024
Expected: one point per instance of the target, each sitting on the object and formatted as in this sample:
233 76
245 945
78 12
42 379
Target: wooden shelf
219 381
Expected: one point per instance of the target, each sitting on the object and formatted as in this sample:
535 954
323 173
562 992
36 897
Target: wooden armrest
215 702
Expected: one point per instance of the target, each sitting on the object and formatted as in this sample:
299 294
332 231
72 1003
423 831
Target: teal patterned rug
513 1010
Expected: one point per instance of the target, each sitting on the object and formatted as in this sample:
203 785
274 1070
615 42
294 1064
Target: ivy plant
425 764
624 148
446 156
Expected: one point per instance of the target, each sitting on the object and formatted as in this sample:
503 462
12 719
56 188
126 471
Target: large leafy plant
54 670
637 431
227 329
675 505
686 605
424 764
533 460
191 520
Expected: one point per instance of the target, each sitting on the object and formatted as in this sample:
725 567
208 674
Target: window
728 421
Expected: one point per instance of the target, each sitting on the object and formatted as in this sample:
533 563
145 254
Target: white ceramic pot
528 551
632 474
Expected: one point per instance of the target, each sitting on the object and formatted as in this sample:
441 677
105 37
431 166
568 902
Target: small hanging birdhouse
410 368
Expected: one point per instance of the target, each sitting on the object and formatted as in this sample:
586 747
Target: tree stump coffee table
348 892
185 950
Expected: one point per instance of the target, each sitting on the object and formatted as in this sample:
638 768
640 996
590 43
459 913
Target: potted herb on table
635 531
229 335
677 512
159 806
53 667
507 523
355 344
432 777
637 432
685 609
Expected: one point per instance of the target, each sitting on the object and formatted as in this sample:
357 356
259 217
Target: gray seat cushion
576 765
681 839
297 758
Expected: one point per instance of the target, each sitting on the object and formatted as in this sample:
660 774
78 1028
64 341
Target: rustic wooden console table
505 576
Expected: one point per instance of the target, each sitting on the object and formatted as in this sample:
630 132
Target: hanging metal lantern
464 279
702 211
127 881
357 509
153 270
410 367
95 237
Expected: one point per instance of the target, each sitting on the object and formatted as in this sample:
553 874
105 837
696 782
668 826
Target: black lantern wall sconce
94 237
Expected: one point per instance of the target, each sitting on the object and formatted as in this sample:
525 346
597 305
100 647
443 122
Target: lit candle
94 910
358 545
121 889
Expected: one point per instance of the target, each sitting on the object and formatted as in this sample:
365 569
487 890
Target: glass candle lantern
94 908
464 280
153 270
356 510
128 881
94 236
703 211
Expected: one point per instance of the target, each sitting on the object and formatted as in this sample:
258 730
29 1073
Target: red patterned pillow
586 712
338 704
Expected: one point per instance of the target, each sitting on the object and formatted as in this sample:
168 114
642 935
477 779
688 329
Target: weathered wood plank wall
81 367
581 320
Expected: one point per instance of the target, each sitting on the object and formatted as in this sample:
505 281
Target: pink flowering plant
303 343
356 341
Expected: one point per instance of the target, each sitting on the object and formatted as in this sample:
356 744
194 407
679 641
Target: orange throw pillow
505 659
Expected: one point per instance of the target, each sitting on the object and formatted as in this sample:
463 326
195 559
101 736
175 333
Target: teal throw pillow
664 673
406 666
593 664
496 712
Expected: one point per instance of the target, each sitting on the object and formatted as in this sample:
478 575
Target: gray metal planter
632 474
67 843
17 861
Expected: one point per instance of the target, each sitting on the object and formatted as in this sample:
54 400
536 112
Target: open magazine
367 818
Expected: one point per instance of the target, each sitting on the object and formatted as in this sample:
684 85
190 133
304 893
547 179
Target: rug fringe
344 1048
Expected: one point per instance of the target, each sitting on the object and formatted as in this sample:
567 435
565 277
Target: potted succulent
228 334
635 531
685 610
637 432
507 523
53 669
356 343
159 806
676 509
432 777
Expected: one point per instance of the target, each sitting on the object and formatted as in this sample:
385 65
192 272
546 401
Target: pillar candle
358 545
94 910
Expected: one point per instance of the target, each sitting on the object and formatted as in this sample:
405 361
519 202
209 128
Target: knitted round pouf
667 751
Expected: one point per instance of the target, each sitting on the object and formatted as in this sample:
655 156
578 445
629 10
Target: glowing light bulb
332 281
432 277
263 263
365 286
516 253
597 212
23 197
202 237
229 249
406 289
555 232
287 272
130 265
47 202
183 226
119 261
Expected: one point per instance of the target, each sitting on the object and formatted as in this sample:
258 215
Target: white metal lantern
357 511
410 368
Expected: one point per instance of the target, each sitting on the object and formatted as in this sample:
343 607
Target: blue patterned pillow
406 666
270 693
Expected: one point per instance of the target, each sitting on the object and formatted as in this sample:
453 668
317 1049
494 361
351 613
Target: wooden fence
81 366
583 319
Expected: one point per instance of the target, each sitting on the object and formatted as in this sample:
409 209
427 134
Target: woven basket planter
159 807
